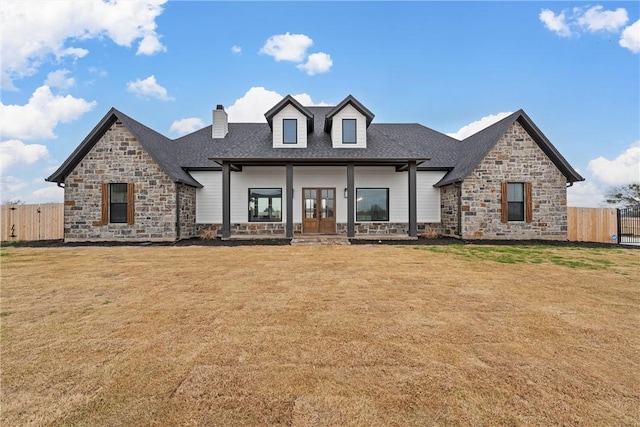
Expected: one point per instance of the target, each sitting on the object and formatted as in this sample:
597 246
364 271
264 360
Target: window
290 131
349 131
516 201
117 204
372 204
265 204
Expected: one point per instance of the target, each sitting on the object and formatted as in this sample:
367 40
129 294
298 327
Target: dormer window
289 131
349 131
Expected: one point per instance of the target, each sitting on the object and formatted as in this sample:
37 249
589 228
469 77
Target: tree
626 196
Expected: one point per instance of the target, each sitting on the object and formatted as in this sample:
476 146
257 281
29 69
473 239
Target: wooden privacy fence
592 225
32 222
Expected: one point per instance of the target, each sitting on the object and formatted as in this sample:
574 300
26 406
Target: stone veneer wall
118 158
514 158
187 211
449 209
270 228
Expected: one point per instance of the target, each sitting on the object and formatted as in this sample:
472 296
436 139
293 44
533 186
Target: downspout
458 185
177 211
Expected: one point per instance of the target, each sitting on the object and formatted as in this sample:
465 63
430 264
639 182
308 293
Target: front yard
320 335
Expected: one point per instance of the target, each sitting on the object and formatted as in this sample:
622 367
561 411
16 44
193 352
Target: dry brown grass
319 335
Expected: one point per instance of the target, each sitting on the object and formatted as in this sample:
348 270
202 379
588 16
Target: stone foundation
210 231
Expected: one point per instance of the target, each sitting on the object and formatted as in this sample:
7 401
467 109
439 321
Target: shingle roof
159 147
252 142
474 148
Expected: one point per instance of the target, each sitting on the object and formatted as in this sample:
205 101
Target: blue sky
574 67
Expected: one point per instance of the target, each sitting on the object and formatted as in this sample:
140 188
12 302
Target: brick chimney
220 127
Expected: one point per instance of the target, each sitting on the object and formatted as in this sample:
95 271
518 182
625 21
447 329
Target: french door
319 210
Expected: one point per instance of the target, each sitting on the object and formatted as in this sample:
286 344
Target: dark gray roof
251 143
159 147
475 148
254 141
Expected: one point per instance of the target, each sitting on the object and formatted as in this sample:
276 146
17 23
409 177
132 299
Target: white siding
289 112
320 177
254 177
349 112
396 182
428 198
209 197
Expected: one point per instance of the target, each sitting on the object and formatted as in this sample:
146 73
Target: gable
156 145
294 116
475 148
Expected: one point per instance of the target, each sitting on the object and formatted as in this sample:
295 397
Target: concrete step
320 240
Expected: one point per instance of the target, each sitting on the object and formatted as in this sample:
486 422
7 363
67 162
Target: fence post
619 227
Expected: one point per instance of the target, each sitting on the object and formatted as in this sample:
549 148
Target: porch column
351 228
226 200
413 205
289 200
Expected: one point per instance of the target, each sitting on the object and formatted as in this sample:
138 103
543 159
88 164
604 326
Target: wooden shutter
104 218
504 209
130 199
528 203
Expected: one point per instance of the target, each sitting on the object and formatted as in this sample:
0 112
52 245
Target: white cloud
9 185
630 37
49 194
15 152
595 19
478 125
185 126
622 170
257 101
33 32
149 88
556 23
41 115
287 47
236 49
317 63
585 194
150 45
59 79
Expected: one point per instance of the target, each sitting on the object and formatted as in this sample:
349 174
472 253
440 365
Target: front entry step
320 240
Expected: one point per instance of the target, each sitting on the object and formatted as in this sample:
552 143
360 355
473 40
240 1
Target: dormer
347 123
290 123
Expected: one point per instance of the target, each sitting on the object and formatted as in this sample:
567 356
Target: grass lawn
320 336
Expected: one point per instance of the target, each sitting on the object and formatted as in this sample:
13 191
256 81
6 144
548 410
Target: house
314 170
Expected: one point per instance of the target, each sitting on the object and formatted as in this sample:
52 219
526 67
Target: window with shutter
117 203
516 202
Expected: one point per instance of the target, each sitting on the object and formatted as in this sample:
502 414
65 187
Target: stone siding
449 210
514 158
187 211
117 157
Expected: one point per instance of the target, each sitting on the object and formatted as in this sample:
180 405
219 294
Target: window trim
527 202
270 218
387 210
284 140
113 205
355 131
105 212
